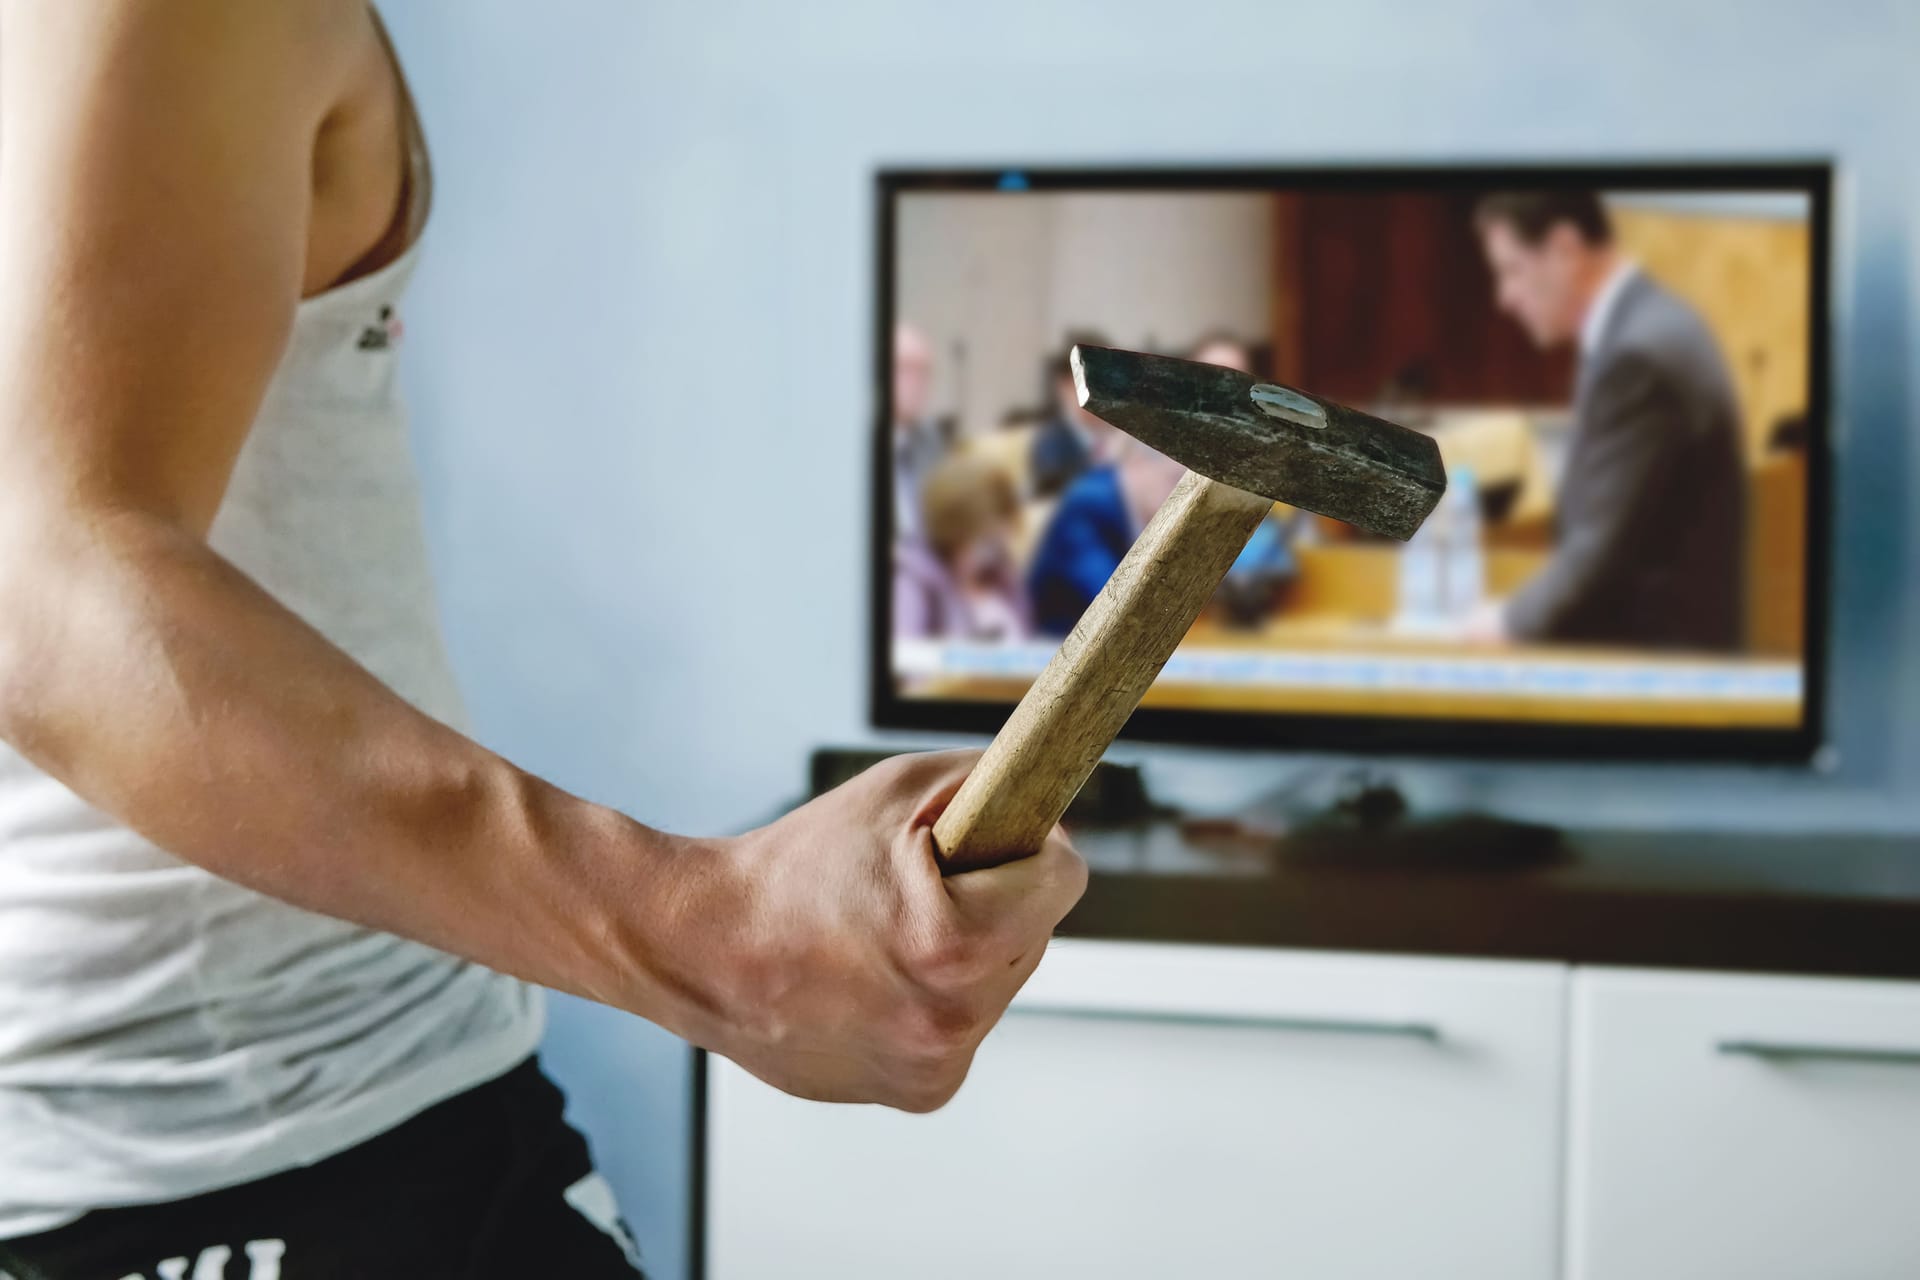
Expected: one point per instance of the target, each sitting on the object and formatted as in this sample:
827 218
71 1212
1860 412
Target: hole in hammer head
1079 376
1289 406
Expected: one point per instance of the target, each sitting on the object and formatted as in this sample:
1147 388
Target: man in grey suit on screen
1649 524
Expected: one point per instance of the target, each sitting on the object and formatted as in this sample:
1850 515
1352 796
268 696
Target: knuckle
1066 872
1069 870
927 1101
897 768
922 766
937 1030
944 958
929 1091
1075 873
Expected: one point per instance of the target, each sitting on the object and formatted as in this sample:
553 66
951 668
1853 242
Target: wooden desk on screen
1343 603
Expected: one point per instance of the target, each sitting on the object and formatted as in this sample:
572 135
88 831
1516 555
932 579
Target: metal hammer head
1267 439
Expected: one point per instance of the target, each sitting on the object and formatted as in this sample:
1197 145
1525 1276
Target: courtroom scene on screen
1618 381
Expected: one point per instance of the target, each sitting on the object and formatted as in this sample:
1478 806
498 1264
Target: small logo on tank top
383 333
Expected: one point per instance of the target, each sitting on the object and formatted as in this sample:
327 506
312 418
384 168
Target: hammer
1247 444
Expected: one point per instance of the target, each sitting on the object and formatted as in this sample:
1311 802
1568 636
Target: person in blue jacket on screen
1104 510
1090 531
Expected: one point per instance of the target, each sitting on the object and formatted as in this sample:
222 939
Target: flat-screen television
1625 367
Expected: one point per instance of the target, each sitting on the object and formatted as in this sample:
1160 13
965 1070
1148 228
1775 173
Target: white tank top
164 1032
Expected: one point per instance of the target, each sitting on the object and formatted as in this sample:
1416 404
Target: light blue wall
640 348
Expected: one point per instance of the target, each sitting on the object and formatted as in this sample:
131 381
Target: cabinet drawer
1170 1111
1746 1127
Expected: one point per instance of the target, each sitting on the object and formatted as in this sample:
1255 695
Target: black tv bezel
1385 735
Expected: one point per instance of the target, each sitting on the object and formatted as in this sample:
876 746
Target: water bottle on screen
1422 603
1466 559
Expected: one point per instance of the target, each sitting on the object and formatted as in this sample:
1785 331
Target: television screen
1622 369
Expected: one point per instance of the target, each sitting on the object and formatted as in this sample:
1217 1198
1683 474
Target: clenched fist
838 964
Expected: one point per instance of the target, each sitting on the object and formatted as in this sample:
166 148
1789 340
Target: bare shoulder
302 51
165 87
160 193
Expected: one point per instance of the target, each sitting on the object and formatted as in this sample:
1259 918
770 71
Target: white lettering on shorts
263 1263
592 1197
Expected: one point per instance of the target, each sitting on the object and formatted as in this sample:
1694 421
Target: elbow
74 582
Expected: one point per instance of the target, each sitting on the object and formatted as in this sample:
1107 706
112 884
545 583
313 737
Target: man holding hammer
268 919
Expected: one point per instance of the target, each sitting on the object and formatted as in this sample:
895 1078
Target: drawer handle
1781 1051
1328 1026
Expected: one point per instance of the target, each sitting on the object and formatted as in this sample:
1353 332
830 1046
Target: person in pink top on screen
957 579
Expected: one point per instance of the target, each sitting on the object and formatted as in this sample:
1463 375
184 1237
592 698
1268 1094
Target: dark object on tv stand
1115 795
1360 819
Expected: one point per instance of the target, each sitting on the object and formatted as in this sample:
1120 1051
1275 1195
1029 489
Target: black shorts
490 1183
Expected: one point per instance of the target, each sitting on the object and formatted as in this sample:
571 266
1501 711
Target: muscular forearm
160 683
159 219
824 952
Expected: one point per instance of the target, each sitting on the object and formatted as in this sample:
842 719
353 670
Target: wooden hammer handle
1053 739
